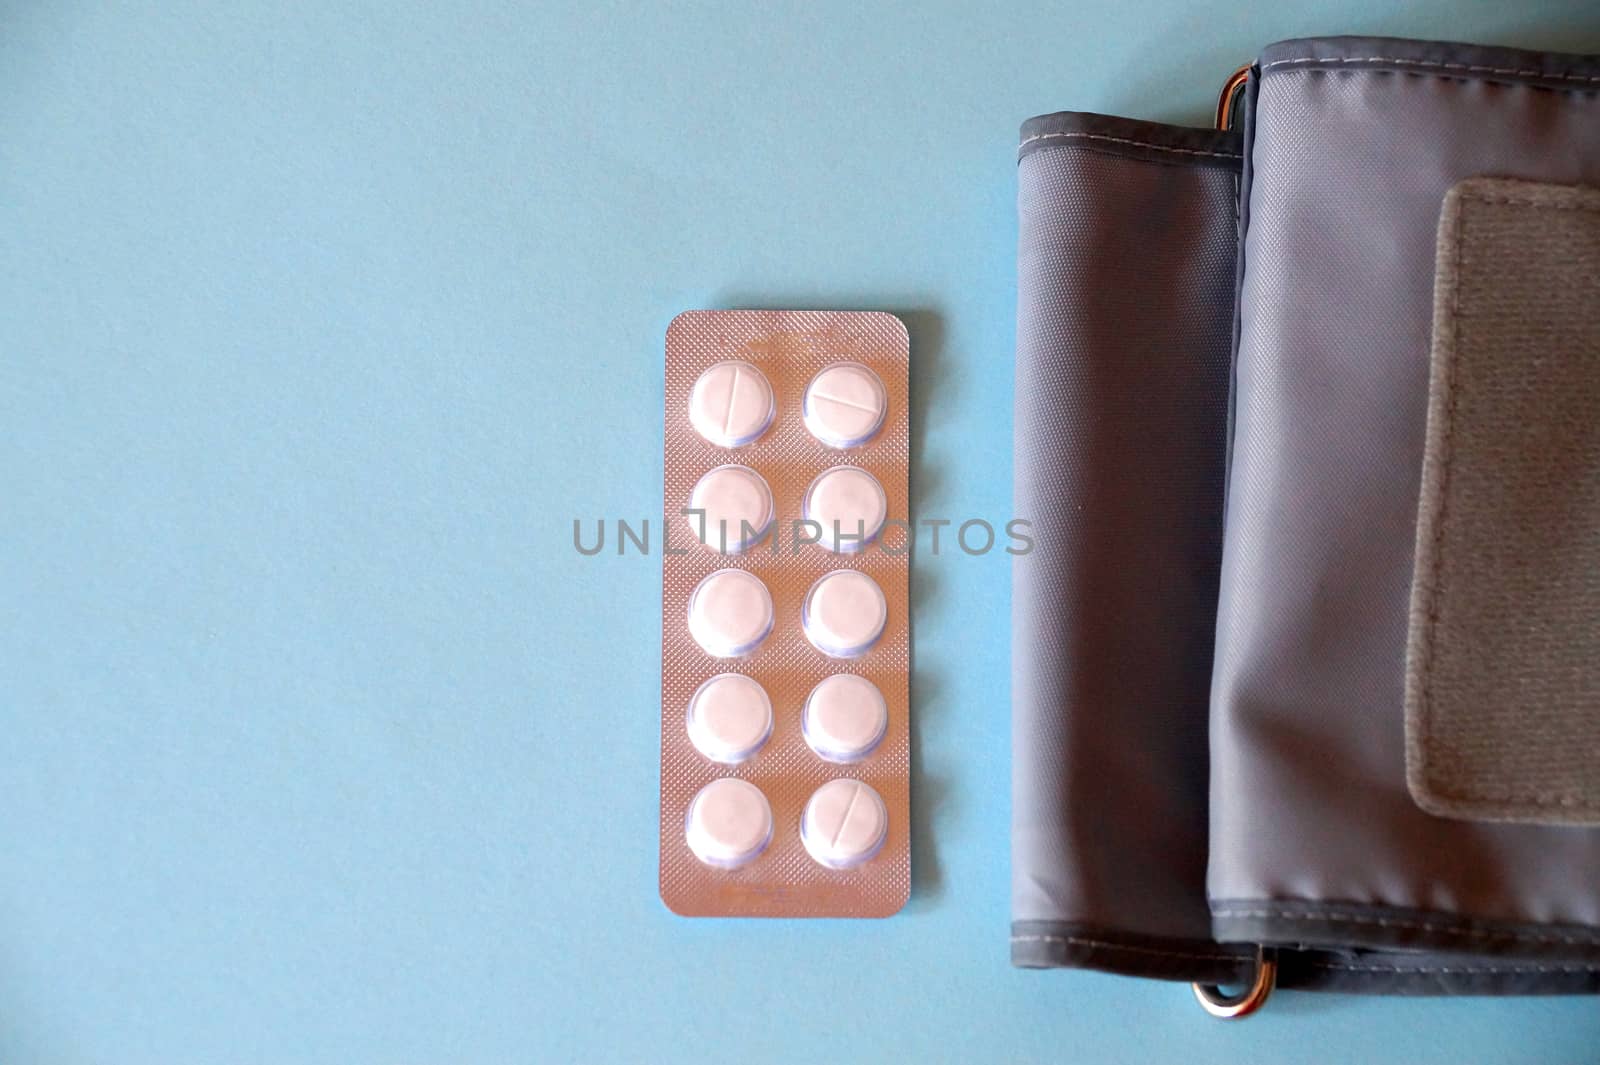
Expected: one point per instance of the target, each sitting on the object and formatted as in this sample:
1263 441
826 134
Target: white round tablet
844 824
730 613
844 405
844 613
732 507
731 404
849 505
729 823
845 718
729 718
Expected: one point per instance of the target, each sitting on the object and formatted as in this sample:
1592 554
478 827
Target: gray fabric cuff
1126 253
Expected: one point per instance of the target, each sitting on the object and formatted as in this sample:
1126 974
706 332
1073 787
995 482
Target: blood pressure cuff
1306 655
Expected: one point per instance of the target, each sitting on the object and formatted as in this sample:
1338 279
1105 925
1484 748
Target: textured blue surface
317 329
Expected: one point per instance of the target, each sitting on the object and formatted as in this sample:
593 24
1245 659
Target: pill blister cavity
844 824
730 509
728 824
730 613
729 718
845 718
844 614
848 505
731 404
844 405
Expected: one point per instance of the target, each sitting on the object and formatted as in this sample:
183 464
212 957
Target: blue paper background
319 323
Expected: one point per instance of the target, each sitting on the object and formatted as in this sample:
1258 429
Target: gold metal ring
1230 93
1246 1002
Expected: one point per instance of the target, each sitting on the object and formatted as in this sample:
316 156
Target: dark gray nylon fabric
1097 882
1314 837
1126 276
1110 787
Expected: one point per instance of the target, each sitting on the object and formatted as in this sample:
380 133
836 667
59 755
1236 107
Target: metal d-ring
1230 94
1246 1002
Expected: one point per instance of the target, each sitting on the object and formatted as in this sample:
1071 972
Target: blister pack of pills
785 634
